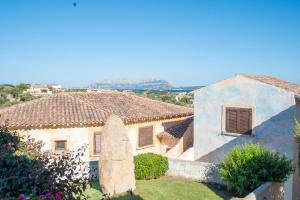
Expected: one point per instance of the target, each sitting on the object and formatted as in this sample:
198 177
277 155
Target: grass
167 188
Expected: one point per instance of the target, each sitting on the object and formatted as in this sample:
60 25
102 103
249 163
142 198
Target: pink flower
50 194
59 195
22 197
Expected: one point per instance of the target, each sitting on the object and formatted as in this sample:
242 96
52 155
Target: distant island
149 84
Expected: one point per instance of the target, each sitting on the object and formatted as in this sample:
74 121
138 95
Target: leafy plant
26 169
150 166
297 137
246 168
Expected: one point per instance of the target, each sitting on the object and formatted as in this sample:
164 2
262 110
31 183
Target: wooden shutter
231 120
239 120
97 143
245 121
145 136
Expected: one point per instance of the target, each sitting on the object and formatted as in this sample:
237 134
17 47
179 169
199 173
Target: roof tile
87 108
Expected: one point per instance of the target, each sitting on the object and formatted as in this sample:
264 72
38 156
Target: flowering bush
48 196
26 170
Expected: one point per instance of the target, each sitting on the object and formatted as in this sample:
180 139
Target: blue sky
185 42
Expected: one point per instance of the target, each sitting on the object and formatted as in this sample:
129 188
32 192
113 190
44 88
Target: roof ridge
275 82
154 100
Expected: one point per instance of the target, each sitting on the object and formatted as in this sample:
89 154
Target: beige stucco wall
77 137
182 145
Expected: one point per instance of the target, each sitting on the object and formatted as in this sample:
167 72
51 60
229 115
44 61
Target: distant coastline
173 90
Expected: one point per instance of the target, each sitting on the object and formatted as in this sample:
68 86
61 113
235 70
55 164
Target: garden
27 173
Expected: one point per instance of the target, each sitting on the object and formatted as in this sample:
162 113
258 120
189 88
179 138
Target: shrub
297 137
246 168
150 166
25 169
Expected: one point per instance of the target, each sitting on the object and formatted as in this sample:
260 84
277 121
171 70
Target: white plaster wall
275 110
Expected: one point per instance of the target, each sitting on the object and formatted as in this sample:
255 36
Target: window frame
238 106
139 135
94 143
60 150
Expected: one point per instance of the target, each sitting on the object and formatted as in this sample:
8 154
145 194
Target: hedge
150 166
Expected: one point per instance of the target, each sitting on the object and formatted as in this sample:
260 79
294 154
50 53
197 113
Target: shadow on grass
219 190
126 196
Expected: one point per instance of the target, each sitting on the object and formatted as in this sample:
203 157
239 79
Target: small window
97 143
60 145
239 120
145 136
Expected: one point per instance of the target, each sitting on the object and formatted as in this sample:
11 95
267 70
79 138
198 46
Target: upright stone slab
116 158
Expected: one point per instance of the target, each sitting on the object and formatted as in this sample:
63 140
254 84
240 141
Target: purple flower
59 195
50 194
22 197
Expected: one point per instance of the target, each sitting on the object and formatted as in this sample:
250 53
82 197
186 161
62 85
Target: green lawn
166 188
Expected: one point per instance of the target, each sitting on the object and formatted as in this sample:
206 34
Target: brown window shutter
245 121
97 141
239 120
145 136
231 120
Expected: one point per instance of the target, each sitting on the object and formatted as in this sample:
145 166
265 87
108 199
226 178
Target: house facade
67 121
43 89
246 109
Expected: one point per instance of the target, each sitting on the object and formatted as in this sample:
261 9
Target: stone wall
199 171
267 191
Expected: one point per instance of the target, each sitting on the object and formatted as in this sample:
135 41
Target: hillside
152 84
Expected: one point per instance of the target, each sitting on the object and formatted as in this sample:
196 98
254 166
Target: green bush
297 137
246 168
150 166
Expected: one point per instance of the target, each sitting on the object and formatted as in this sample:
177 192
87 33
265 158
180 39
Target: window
145 136
239 120
97 143
60 146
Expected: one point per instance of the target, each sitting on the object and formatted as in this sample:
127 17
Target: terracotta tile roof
87 109
174 133
178 130
292 87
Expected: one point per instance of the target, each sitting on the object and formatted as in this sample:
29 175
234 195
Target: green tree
22 87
